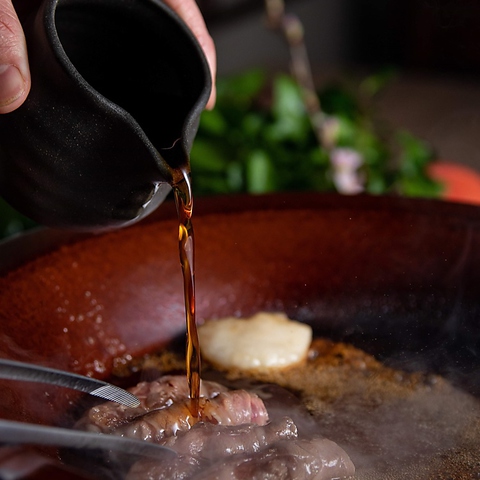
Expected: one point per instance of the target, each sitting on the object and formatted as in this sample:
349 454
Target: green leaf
415 155
319 157
259 173
336 100
376 184
252 124
247 144
413 179
240 89
235 177
212 122
346 132
287 99
207 156
420 187
291 121
209 185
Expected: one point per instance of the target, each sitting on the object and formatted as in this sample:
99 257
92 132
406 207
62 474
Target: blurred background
433 44
398 84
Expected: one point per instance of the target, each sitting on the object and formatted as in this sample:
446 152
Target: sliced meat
157 424
149 469
214 452
236 407
305 459
231 439
160 393
211 442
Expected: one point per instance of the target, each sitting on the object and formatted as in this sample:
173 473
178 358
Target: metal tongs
92 455
14 370
117 453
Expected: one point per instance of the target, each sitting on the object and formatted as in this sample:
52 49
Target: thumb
189 11
14 71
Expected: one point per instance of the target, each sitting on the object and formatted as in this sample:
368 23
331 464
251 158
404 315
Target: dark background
435 35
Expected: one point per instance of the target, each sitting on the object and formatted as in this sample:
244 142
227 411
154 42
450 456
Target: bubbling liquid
393 424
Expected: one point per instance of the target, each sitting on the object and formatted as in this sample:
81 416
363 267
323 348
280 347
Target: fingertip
211 101
190 13
14 88
18 102
208 47
14 68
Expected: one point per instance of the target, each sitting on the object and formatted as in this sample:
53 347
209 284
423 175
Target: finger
14 71
190 13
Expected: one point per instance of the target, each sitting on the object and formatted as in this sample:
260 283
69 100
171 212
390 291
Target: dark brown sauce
184 203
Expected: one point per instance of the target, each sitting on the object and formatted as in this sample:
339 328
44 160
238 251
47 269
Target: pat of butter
266 340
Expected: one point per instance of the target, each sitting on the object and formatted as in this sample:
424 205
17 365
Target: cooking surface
397 278
393 424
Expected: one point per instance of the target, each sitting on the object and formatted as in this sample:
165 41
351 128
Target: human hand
14 70
190 13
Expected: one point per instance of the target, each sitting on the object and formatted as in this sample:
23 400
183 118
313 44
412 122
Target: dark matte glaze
117 90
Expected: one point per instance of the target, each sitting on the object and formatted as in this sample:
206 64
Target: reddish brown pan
399 278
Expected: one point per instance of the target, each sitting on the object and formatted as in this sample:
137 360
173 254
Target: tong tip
116 394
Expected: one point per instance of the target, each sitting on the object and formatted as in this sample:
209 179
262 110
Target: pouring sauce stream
184 203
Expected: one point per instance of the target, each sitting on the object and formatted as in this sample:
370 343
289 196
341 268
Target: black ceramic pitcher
117 90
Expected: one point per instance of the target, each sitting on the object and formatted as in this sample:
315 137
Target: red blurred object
461 183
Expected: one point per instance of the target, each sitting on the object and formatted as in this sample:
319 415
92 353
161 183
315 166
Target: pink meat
273 451
231 439
299 459
160 393
235 407
210 441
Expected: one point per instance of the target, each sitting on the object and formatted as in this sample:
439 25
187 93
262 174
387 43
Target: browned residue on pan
393 424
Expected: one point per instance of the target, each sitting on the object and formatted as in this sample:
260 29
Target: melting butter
265 340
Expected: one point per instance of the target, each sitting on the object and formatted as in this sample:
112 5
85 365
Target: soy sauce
184 202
